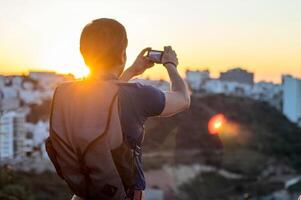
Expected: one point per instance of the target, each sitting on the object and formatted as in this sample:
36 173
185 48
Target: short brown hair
102 41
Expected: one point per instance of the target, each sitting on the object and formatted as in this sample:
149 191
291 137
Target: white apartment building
12 135
6 136
196 79
217 86
292 98
268 92
9 98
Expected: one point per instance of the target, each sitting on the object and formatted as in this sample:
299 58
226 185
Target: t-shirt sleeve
151 100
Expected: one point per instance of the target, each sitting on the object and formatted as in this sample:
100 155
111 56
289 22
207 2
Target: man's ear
123 57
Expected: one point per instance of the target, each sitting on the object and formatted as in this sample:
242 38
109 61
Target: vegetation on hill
31 186
259 135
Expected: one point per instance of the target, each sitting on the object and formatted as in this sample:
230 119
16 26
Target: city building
9 98
19 134
2 81
236 82
6 136
12 135
268 92
31 96
196 79
29 144
292 98
40 132
16 81
49 79
238 75
217 86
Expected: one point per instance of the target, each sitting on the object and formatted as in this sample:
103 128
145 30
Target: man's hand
141 64
169 56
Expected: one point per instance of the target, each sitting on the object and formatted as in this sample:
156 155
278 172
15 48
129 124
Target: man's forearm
177 83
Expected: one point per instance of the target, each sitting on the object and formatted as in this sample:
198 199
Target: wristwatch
170 63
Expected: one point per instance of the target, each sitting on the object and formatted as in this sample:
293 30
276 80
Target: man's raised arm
178 99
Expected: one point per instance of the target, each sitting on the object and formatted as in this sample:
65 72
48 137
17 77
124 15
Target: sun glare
81 72
64 63
78 72
216 123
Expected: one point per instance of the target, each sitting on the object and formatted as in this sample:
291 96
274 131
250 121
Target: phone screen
155 55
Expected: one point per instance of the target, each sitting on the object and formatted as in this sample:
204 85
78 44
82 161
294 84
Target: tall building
6 136
238 75
292 98
196 79
12 135
19 134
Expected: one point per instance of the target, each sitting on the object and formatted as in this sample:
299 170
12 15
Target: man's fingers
144 51
148 60
150 65
168 49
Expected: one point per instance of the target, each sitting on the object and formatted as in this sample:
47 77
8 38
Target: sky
262 36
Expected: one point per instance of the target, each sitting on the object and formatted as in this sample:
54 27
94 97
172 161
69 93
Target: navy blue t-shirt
137 103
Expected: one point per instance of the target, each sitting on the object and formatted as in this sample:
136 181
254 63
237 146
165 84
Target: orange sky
261 36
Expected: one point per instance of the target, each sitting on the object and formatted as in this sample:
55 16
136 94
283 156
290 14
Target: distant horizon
147 77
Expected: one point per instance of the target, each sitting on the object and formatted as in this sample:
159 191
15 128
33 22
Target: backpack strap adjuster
137 150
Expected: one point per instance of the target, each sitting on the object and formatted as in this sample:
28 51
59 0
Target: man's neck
104 75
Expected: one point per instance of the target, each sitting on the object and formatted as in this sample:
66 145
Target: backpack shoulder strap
53 132
104 133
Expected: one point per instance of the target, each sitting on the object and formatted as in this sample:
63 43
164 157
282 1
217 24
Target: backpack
85 139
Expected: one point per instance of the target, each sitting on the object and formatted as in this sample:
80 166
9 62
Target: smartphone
155 56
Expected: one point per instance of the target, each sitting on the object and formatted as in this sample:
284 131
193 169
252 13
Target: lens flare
216 124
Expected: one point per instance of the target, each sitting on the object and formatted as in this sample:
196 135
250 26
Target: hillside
263 136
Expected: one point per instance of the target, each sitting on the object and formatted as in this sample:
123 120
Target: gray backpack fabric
84 129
